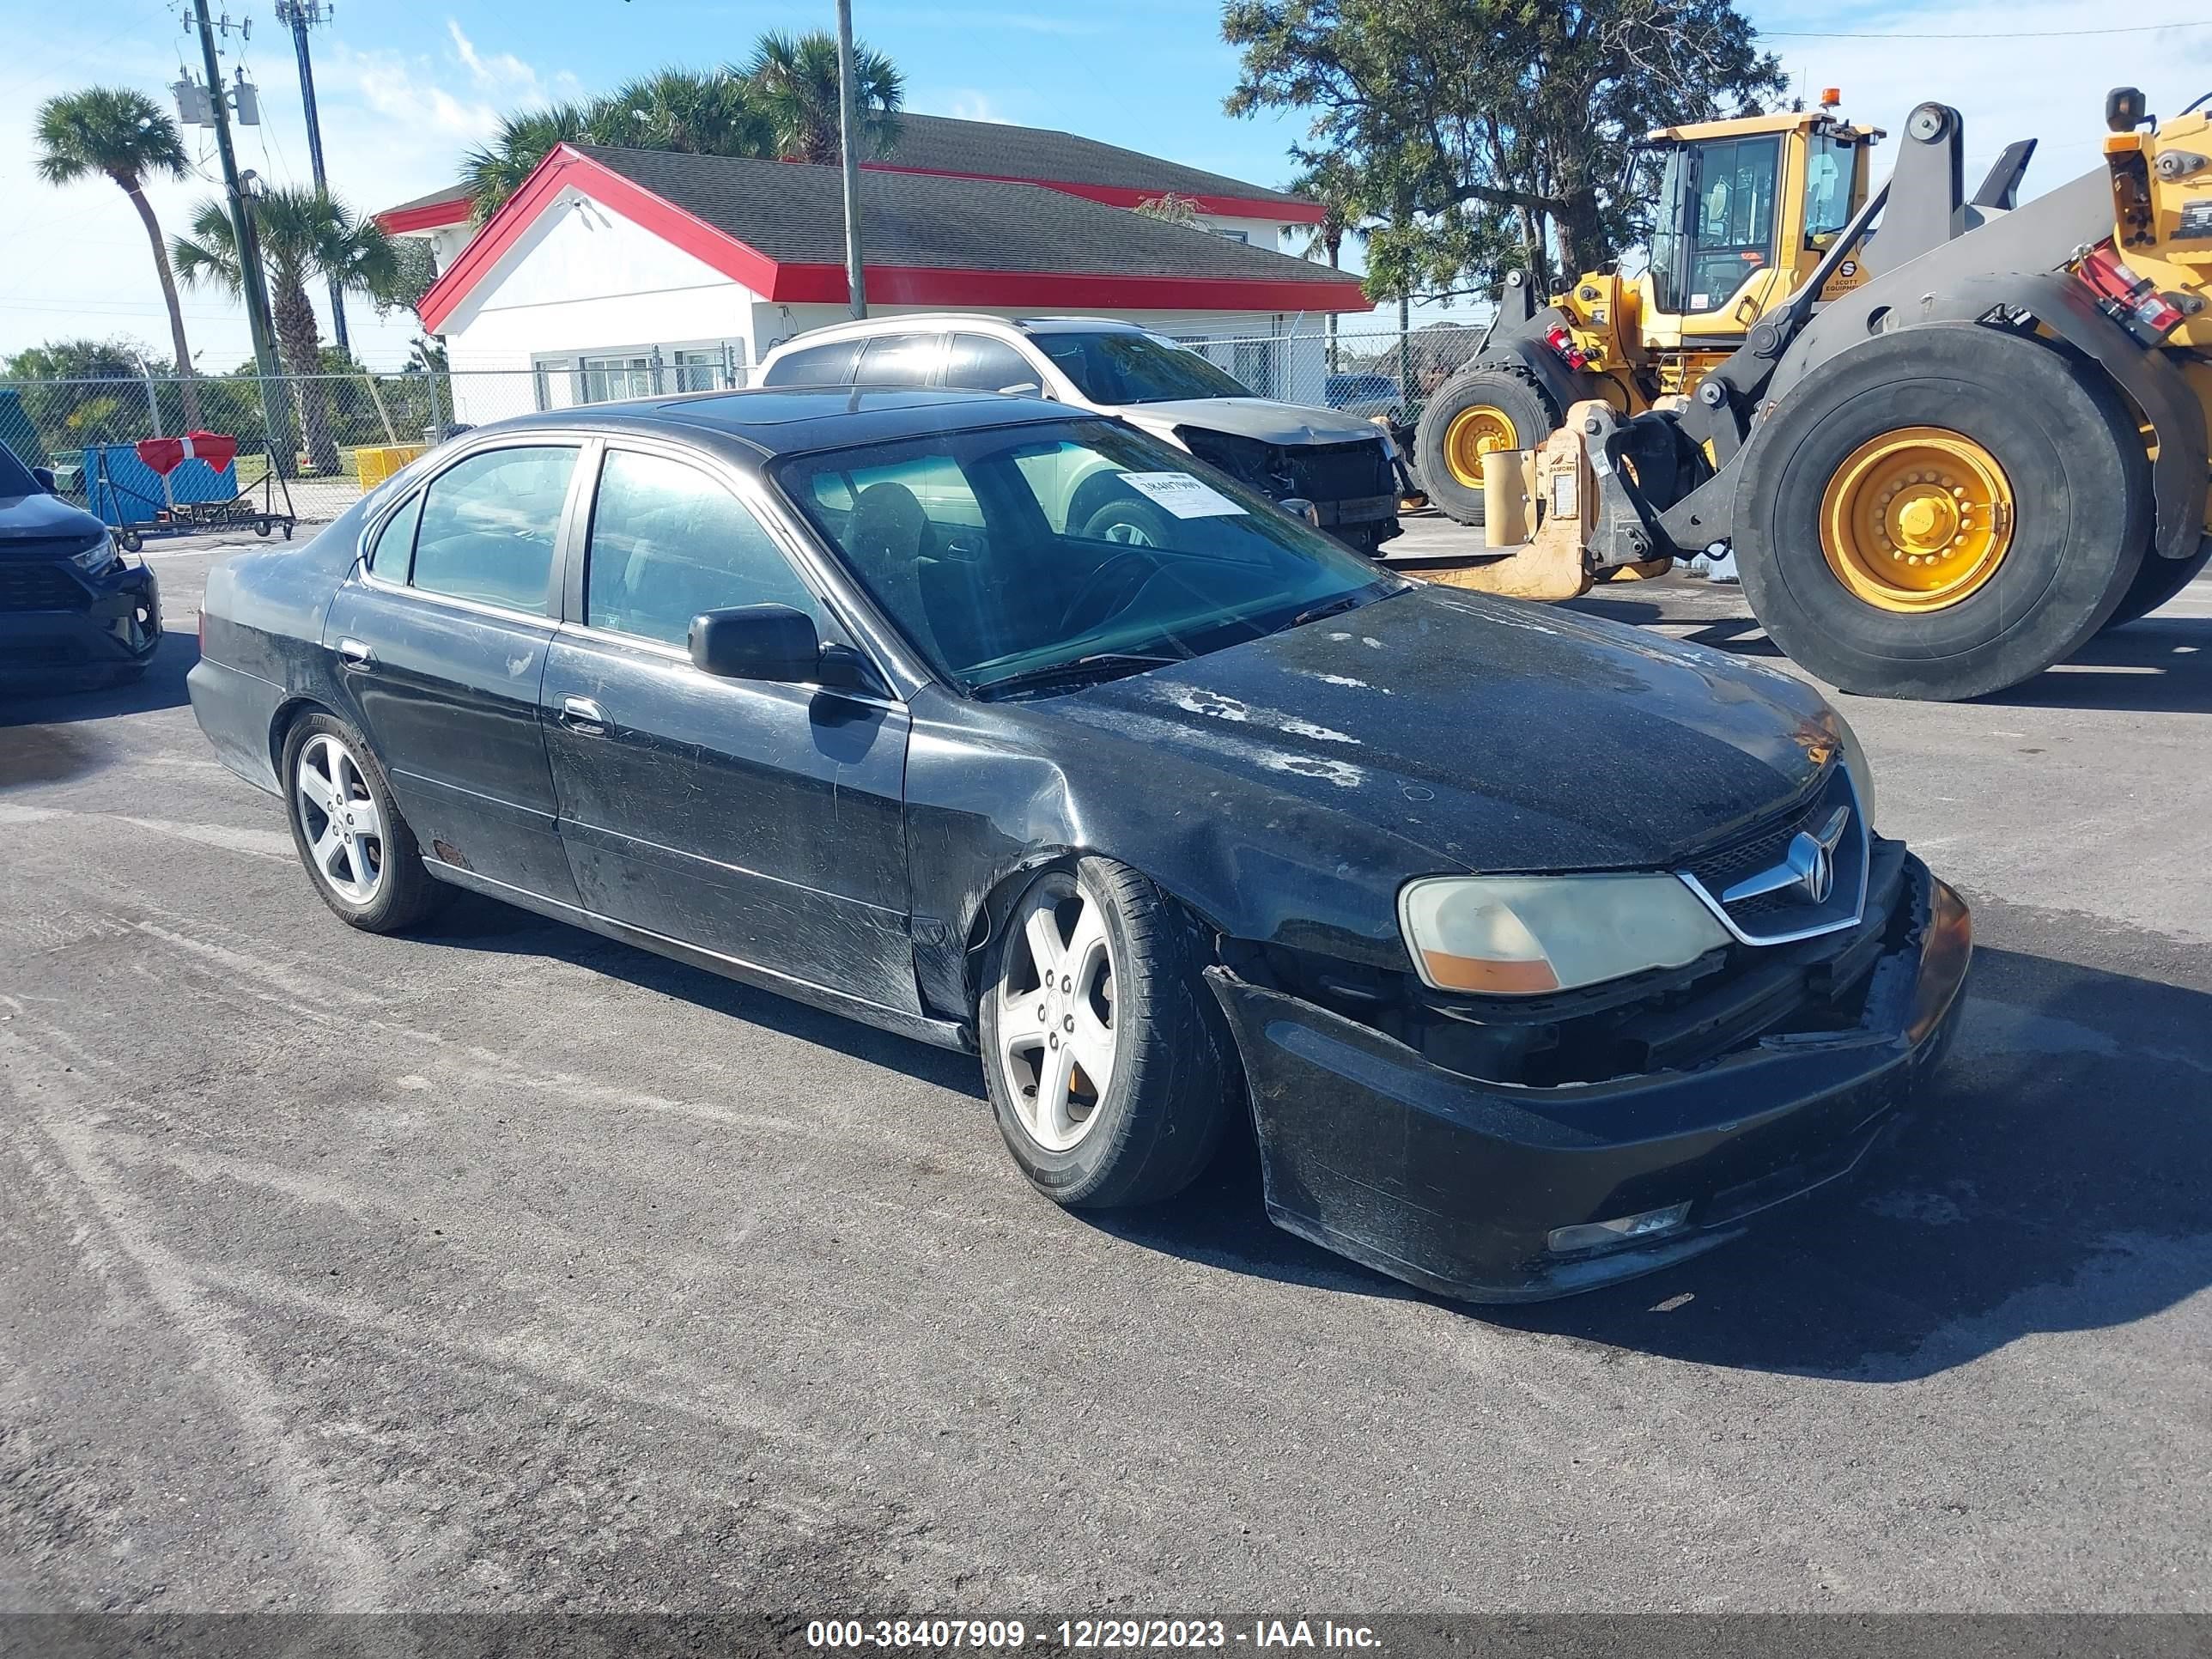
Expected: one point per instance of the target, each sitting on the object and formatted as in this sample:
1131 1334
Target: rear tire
1522 410
373 878
1146 1129
2071 462
2159 581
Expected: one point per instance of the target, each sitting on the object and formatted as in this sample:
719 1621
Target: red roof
777 228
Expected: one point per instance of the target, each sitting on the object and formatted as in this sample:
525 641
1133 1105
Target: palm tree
697 113
1330 183
783 103
797 81
496 171
306 236
714 112
123 135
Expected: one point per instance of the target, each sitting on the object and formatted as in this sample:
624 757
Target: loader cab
1744 209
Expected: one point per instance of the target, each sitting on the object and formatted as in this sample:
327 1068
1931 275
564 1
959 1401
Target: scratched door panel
763 821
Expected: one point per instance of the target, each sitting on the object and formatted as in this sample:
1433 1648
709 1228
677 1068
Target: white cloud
502 73
2016 78
396 124
970 105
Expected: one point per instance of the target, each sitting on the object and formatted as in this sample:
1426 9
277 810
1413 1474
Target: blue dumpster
122 490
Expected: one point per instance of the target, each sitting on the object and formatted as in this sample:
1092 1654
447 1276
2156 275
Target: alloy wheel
339 819
1056 1036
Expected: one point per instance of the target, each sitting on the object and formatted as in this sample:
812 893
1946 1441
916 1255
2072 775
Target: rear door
761 822
442 642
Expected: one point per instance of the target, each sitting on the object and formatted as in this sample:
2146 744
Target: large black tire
1513 394
2079 480
1160 1116
2159 581
404 892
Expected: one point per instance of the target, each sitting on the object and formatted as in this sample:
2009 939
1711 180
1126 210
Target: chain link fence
1365 371
309 445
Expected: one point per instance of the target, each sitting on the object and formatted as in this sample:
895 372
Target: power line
2000 34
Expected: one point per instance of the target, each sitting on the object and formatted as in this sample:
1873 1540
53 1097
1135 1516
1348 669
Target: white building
618 273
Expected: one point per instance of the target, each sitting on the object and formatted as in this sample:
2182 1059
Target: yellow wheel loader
1948 438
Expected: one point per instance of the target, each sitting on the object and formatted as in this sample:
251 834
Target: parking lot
510 1268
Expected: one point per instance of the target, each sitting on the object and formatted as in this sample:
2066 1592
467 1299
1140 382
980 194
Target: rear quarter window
828 364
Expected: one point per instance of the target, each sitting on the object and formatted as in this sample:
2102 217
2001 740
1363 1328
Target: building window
1231 235
697 371
606 379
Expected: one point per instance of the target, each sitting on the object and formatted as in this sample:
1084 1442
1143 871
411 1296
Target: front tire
359 853
1104 1054
1941 512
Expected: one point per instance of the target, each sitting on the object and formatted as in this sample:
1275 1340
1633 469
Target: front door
442 642
761 822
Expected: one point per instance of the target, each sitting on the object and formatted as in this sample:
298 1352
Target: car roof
777 421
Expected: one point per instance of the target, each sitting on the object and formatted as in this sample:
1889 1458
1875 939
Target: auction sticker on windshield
1182 494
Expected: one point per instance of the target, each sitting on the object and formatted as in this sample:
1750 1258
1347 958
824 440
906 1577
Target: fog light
1595 1235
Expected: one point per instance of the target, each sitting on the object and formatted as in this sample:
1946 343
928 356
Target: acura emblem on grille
1809 864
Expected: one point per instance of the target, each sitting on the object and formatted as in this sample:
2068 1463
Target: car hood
43 527
1471 731
1251 417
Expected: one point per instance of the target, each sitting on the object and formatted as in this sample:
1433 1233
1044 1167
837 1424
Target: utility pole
848 135
300 16
249 253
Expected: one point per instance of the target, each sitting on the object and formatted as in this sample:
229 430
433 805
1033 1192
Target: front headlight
1855 762
1526 935
97 557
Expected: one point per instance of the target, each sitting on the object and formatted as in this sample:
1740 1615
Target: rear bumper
237 712
1455 1185
119 623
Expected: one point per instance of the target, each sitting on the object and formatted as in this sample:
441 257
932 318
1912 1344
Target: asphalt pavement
511 1268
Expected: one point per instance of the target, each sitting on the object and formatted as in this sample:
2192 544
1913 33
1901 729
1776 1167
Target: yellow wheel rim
1916 519
1473 433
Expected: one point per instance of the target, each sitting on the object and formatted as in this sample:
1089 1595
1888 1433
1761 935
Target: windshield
1136 369
15 478
1016 552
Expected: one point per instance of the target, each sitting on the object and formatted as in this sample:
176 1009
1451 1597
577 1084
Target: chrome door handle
582 715
355 653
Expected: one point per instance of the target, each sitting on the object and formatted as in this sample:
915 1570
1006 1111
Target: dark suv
70 603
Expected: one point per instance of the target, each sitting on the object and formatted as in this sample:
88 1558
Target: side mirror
44 476
1023 389
756 642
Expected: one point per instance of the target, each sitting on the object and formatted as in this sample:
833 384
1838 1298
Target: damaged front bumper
1461 1186
70 621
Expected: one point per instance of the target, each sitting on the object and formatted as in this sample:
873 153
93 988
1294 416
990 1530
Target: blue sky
407 88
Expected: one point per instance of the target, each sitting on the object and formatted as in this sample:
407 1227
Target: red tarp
166 455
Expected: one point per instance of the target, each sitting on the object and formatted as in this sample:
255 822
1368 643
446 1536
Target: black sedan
1537 951
71 604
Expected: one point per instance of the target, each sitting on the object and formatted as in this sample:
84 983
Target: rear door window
979 362
901 360
828 364
488 526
